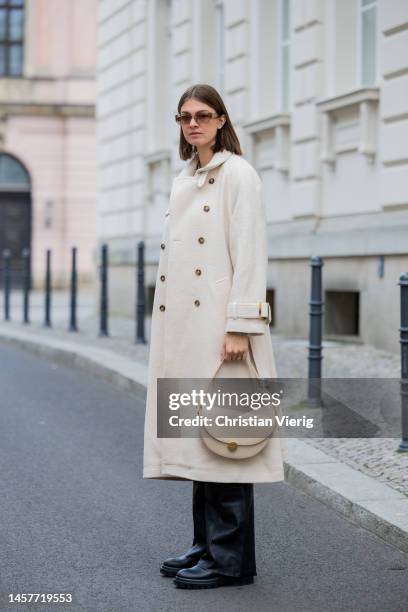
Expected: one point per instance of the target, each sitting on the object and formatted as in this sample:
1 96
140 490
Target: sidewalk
369 484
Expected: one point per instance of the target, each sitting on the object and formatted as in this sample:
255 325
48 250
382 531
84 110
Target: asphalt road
77 517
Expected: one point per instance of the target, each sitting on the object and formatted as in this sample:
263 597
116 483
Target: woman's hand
235 346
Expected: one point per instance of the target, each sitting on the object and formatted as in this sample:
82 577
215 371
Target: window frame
285 95
7 42
220 44
361 9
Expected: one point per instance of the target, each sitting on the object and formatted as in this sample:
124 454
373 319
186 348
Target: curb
358 497
100 362
361 499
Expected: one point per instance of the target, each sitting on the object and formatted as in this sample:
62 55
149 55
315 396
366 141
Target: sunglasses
202 117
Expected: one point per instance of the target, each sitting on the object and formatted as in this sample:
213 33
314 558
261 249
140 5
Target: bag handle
247 359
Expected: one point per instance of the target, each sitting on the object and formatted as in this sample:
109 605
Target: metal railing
19 276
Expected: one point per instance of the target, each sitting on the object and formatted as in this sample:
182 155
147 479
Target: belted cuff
250 310
248 317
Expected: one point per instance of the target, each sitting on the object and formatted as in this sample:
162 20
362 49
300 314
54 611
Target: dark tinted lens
203 117
183 118
200 117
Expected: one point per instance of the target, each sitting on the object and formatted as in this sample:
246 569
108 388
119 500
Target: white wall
339 152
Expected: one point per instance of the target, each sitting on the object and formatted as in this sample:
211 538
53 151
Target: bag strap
248 360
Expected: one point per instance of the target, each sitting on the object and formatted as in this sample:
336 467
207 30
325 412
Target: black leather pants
200 537
223 514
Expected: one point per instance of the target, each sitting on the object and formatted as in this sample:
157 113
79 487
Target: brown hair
226 137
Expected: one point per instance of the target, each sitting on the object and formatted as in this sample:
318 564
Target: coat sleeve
247 310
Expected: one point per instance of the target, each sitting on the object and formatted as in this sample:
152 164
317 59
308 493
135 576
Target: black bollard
140 297
73 292
47 319
26 284
315 335
103 321
6 283
403 447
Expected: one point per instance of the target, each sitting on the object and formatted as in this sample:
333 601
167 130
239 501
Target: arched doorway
15 213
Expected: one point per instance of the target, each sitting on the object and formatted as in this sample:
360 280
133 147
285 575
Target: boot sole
186 583
168 572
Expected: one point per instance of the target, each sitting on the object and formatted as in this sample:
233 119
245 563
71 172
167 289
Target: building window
368 42
342 313
13 175
160 76
284 41
220 45
11 37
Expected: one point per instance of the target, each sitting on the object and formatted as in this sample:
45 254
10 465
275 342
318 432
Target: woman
209 319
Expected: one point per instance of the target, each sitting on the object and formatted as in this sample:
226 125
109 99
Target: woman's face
200 134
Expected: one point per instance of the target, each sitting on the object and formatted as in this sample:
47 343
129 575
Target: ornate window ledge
365 103
281 125
158 167
158 156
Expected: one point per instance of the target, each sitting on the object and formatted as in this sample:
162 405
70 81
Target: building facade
47 135
318 92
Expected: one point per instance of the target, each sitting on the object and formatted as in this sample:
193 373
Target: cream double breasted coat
211 279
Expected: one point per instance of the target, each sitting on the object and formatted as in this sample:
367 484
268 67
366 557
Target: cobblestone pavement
376 457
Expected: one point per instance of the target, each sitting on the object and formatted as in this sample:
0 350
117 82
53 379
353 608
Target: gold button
198 271
196 302
162 307
162 278
206 208
162 246
211 180
201 240
232 446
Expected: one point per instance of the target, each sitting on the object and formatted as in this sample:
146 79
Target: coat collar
201 174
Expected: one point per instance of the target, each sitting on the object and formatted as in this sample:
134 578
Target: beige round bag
237 447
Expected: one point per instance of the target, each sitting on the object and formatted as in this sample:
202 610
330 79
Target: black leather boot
171 566
230 555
